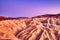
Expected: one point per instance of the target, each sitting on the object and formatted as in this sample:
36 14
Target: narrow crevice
27 38
58 36
16 34
38 37
46 39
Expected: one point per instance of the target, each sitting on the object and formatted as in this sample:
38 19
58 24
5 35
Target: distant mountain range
46 15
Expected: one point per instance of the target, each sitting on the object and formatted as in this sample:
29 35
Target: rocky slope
44 27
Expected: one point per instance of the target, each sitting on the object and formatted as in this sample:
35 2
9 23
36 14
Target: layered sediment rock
45 27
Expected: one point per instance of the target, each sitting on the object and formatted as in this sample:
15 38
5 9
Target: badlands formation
44 27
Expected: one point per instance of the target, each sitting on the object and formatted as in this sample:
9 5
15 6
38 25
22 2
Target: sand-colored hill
45 27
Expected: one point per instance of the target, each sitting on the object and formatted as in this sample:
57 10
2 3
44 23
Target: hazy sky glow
24 8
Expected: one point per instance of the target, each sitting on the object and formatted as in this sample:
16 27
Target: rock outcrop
44 27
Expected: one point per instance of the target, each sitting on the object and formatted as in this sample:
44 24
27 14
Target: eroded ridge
36 28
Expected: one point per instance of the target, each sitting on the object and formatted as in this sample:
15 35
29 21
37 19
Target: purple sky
16 8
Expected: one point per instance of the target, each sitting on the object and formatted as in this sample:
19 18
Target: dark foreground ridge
46 15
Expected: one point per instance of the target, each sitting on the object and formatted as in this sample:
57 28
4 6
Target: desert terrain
44 27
